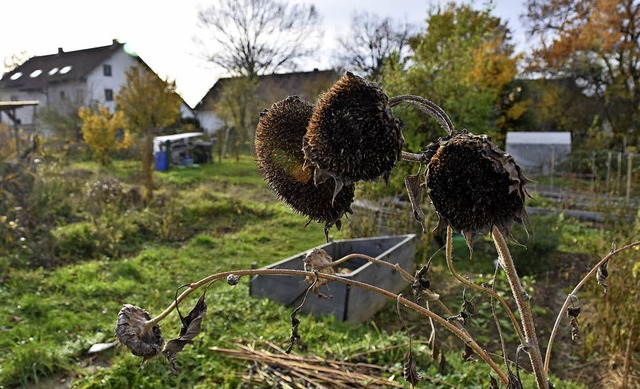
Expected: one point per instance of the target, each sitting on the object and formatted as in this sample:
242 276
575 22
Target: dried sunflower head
279 138
353 135
132 331
474 185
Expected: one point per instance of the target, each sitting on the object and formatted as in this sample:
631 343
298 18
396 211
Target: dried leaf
575 329
132 331
420 283
191 327
602 275
410 371
493 383
467 354
414 190
320 261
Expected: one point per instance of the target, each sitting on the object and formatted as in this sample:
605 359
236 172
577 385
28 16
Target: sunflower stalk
531 346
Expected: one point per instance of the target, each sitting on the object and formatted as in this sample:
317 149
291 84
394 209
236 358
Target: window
108 94
15 76
65 69
53 71
106 70
62 95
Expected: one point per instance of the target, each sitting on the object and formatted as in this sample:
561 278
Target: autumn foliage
104 132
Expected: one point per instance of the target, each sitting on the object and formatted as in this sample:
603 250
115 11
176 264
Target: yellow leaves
147 101
104 132
493 68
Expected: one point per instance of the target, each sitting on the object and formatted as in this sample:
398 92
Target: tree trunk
147 165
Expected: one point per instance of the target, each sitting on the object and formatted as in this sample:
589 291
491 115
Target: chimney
60 51
115 42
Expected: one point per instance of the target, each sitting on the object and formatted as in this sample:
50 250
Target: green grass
229 220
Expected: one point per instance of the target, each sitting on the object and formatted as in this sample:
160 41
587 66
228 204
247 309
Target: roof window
15 76
65 69
35 73
53 71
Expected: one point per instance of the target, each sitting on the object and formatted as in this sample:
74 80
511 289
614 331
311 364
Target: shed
538 152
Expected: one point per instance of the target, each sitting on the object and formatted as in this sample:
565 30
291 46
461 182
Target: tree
259 36
372 44
104 132
595 44
147 103
14 60
464 62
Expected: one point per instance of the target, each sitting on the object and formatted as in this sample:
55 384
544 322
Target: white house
538 151
87 76
271 88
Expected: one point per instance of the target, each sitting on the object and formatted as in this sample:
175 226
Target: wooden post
619 173
608 171
629 163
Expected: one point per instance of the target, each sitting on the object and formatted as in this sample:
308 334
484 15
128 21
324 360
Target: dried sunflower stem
480 288
289 272
532 346
575 290
406 275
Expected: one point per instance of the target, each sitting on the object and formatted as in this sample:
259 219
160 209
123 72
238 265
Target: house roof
40 71
275 87
539 137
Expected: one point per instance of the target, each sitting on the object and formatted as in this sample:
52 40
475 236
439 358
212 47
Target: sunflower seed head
352 134
279 138
474 185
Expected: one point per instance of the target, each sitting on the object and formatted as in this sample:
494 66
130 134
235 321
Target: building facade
75 78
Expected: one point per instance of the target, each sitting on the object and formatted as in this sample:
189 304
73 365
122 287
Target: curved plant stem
288 272
531 346
405 274
427 106
412 157
480 288
575 290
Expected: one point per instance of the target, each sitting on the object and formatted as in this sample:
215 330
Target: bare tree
258 36
373 43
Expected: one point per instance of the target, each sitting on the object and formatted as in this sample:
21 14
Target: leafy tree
372 44
595 44
464 62
104 132
258 36
147 103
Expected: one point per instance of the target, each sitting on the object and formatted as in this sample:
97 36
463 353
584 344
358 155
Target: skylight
35 73
65 69
15 76
53 71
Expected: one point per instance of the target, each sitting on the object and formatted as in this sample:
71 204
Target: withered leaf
514 381
493 383
421 283
191 327
467 354
602 274
320 261
575 329
132 331
410 371
414 190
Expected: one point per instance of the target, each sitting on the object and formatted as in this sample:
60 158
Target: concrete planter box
347 303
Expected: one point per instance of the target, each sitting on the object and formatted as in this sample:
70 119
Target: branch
288 272
575 290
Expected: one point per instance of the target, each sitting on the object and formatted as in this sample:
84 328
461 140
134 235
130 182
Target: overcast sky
162 31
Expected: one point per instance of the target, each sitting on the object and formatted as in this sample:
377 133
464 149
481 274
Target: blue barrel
161 161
